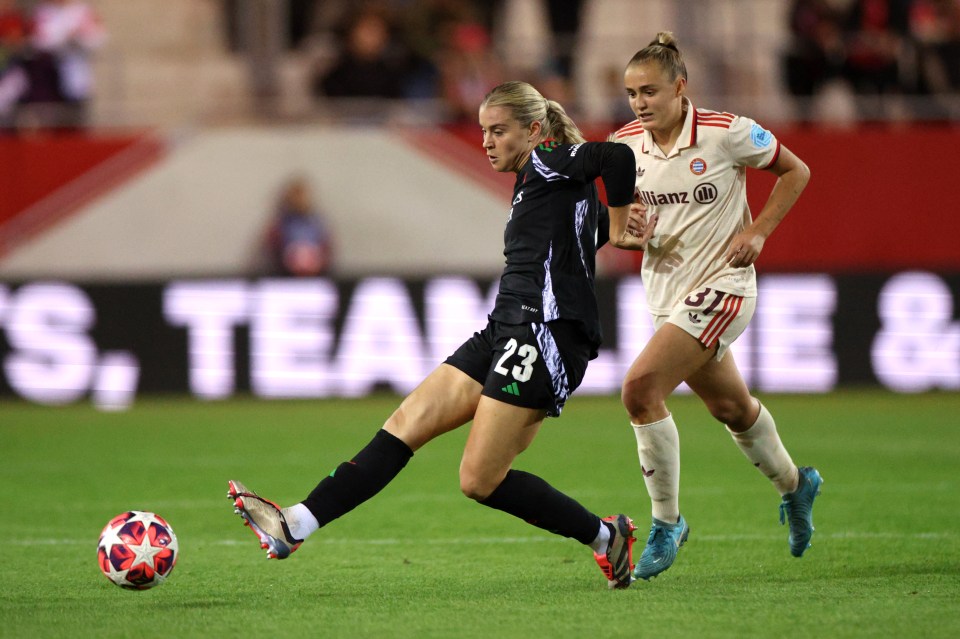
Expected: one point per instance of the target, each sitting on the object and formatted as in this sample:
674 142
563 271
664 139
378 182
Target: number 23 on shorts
524 370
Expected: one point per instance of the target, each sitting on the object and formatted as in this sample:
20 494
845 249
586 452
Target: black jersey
554 228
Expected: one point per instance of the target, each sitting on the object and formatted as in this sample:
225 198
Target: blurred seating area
897 58
203 62
46 73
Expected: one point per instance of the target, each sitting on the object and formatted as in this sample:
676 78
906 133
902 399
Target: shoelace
655 532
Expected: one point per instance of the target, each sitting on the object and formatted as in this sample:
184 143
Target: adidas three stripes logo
512 389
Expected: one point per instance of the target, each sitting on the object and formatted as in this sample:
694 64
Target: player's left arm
603 226
793 175
616 165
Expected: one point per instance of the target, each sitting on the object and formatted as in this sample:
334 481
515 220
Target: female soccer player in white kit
701 287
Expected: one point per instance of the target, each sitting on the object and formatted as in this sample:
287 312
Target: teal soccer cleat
662 546
797 509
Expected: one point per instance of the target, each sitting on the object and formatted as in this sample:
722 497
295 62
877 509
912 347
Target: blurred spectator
300 16
468 68
545 54
300 20
371 64
424 27
13 26
876 33
68 31
565 25
298 241
935 24
14 81
816 49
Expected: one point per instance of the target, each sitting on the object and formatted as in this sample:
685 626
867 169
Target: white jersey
699 191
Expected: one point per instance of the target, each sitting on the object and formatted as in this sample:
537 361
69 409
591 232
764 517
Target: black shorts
528 365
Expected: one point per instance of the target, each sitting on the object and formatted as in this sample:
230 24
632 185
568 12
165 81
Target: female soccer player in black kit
532 354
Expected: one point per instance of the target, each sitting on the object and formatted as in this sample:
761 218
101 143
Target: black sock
535 501
359 479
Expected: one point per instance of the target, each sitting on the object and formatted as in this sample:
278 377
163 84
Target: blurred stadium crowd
433 60
46 78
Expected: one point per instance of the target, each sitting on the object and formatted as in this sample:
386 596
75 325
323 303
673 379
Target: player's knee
475 486
398 423
640 398
407 424
730 411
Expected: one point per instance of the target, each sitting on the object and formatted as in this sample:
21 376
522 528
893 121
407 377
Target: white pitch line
456 541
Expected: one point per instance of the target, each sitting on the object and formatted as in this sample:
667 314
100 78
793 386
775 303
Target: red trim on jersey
712 118
707 113
704 117
720 321
634 128
693 129
776 156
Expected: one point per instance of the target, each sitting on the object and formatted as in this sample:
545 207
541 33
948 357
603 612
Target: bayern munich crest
698 166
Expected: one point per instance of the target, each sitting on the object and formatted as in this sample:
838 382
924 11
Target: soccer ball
137 550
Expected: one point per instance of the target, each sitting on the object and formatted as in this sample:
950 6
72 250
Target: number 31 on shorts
524 371
696 299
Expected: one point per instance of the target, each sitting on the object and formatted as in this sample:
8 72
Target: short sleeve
751 144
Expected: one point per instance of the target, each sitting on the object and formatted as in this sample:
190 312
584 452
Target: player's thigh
716 319
499 433
699 329
670 357
445 400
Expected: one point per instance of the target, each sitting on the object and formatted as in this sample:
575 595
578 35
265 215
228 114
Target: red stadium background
880 199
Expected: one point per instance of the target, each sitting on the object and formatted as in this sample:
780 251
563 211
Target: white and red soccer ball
137 550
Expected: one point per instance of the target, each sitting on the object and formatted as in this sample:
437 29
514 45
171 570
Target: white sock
762 446
658 445
300 521
600 544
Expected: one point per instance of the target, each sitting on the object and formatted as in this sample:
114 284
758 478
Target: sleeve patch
761 137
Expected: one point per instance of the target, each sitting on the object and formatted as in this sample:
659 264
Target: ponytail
559 125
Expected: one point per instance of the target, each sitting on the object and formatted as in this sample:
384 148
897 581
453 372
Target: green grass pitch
420 560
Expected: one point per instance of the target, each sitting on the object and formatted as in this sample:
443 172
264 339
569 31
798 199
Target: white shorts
714 318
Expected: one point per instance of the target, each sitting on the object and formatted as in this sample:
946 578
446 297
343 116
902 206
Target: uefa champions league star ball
137 550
